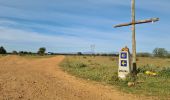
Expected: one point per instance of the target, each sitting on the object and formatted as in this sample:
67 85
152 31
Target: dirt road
42 79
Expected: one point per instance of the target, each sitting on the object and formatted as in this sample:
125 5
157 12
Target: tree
2 50
41 51
30 53
25 52
21 52
160 52
79 53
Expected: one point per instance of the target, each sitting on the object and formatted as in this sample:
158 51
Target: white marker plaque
124 63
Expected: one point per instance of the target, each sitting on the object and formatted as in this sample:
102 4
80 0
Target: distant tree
30 53
160 52
2 50
79 53
41 51
143 54
168 56
25 52
98 54
104 54
14 52
21 52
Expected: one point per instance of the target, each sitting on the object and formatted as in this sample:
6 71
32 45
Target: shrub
41 51
2 50
84 57
165 72
79 53
21 52
78 65
144 54
160 52
148 68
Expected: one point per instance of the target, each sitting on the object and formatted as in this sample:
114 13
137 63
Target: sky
75 25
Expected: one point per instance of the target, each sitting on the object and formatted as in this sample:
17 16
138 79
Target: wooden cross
133 23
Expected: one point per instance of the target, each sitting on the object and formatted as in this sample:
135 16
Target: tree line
41 51
157 52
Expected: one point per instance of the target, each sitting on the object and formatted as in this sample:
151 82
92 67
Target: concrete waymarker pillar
124 63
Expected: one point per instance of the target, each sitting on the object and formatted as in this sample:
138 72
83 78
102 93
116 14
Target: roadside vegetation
104 69
41 53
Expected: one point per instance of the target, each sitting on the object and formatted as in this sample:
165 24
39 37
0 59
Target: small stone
20 96
34 82
130 84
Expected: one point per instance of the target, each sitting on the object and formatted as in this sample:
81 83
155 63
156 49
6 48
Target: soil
42 79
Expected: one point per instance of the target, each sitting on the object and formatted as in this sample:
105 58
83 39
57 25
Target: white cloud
19 38
76 31
17 35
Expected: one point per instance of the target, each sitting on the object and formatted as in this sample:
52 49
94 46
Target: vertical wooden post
133 23
133 39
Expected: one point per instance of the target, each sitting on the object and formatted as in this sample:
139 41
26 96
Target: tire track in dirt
42 79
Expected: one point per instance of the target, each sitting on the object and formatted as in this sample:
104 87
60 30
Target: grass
104 69
30 56
2 55
37 56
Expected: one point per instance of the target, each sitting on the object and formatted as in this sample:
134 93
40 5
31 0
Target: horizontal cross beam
138 22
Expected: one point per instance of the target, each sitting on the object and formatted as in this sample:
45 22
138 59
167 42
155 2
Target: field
41 78
104 70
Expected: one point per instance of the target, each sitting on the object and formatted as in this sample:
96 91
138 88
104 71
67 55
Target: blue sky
74 25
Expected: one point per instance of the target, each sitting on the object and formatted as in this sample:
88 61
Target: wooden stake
133 39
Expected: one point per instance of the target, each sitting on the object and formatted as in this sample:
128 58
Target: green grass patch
104 69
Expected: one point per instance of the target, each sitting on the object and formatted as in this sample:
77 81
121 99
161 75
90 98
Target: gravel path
42 79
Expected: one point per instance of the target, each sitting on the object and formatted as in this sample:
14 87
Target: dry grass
104 69
158 62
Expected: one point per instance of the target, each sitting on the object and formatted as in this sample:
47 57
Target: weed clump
76 65
165 72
